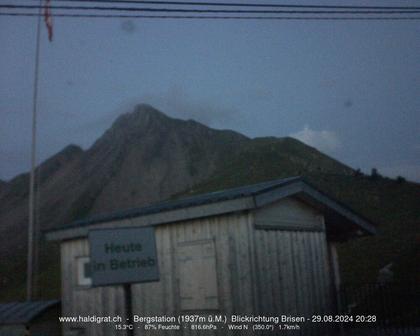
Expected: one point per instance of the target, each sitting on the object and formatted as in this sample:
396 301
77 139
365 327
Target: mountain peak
141 117
144 111
145 108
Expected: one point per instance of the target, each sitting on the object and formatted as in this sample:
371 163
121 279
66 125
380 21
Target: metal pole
128 307
30 275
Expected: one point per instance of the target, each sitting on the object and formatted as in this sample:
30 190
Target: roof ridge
206 198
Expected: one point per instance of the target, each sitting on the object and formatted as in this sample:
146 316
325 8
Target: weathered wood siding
289 214
85 301
277 270
292 262
292 269
234 267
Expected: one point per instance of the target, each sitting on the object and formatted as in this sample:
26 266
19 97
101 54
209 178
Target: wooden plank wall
259 271
234 268
235 276
86 301
292 268
292 262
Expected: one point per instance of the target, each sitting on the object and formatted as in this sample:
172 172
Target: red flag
48 19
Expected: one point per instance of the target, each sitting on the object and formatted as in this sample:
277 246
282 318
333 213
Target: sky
349 88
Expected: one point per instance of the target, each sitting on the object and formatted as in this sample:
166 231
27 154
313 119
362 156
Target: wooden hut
261 250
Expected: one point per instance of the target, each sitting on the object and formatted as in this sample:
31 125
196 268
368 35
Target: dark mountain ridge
144 157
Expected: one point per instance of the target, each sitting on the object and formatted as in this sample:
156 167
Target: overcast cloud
325 141
350 89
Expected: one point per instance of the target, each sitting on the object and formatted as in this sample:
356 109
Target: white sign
124 255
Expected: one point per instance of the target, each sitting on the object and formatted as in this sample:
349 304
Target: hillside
394 206
147 156
391 204
270 158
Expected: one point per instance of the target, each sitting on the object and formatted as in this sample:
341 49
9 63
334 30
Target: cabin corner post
336 275
336 282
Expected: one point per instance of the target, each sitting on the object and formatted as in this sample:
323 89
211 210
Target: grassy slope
264 159
49 275
393 205
395 208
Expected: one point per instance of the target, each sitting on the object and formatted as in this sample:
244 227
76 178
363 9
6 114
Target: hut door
196 261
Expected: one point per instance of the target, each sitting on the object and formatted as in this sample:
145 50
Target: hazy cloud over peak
176 102
324 140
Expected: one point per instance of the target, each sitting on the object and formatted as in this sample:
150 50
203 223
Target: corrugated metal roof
212 197
23 312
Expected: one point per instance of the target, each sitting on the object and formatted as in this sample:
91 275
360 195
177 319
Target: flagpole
31 225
